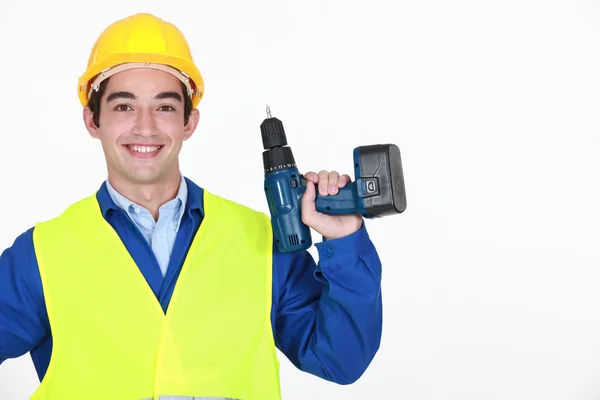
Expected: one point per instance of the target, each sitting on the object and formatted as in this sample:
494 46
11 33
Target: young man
155 288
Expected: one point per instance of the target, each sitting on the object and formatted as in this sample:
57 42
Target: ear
88 119
191 125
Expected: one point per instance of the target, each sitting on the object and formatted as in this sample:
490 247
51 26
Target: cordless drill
377 191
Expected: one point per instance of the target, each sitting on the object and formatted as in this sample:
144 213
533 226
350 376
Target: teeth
144 149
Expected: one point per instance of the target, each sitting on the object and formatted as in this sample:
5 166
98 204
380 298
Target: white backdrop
490 277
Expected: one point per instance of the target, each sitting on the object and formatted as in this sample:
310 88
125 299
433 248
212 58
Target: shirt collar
190 195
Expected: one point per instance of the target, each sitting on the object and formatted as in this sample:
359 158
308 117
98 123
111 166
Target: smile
143 149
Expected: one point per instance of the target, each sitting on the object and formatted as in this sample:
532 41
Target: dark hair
96 97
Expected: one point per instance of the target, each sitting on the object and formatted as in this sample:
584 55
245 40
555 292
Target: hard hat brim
183 65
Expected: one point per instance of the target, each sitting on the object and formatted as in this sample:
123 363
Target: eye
122 107
166 108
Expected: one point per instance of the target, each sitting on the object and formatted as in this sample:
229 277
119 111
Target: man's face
142 126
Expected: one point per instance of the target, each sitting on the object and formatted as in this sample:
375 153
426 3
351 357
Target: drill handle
341 203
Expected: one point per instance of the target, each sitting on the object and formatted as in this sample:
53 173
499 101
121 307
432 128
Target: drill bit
268 112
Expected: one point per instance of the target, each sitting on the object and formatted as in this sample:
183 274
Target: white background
490 277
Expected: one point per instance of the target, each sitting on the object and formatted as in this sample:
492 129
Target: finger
323 182
333 182
343 180
312 176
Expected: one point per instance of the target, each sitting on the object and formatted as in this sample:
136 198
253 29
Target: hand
329 226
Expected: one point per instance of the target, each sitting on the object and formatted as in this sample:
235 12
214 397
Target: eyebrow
169 95
120 95
131 96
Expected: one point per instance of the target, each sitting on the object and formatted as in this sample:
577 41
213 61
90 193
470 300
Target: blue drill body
378 188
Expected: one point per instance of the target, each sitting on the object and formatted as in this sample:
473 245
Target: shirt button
138 210
327 252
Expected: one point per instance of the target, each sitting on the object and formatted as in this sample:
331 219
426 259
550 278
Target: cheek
114 118
111 128
110 134
172 128
169 120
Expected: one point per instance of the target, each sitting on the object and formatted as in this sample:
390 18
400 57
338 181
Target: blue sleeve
328 316
22 308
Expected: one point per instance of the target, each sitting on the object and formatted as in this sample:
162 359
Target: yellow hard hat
141 40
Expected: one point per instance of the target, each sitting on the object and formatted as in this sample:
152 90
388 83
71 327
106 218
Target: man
156 288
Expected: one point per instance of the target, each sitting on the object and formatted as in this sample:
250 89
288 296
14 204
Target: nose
145 123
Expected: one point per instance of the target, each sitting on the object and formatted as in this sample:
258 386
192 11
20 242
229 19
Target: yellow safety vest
111 338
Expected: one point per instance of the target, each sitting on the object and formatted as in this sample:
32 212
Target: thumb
308 200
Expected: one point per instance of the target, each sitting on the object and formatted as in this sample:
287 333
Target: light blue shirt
160 234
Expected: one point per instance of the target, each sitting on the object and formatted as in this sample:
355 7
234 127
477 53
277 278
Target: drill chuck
273 134
276 155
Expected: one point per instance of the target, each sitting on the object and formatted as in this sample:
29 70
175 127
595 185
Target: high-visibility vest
111 338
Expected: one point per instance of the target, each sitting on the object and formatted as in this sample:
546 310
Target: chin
145 177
